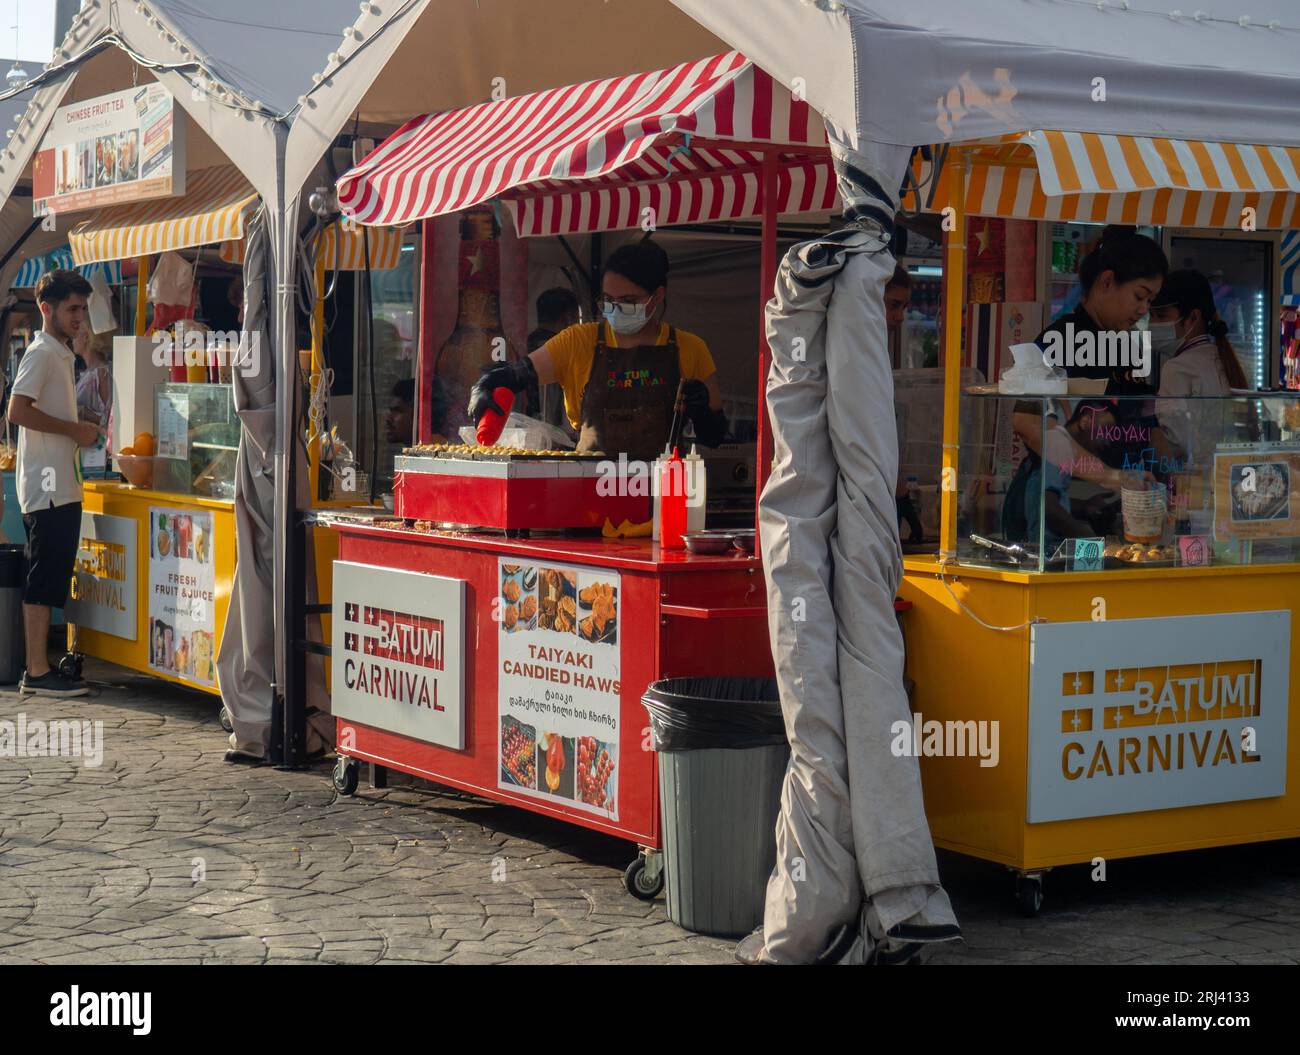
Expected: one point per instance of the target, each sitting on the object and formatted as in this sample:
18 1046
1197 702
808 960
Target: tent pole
141 294
767 285
954 279
317 358
290 598
424 353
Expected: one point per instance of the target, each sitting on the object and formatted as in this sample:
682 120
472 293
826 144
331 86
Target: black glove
710 425
516 375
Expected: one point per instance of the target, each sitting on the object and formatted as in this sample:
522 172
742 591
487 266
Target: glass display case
196 439
1089 483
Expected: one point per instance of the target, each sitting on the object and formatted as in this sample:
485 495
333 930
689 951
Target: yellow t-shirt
572 351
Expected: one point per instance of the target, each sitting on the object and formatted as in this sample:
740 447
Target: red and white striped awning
1053 175
687 143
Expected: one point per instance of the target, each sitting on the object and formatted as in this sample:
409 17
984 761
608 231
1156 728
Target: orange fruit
144 444
127 451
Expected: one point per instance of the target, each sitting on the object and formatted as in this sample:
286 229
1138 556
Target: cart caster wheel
70 665
1029 894
224 718
346 774
640 883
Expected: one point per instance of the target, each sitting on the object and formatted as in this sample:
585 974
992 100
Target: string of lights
1175 14
196 68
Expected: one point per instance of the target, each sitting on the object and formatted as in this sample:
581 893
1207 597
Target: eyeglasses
623 307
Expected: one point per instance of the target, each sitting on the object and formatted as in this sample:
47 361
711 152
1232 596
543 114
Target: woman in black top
1120 277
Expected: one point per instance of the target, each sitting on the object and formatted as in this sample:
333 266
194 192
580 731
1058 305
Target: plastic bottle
655 470
697 490
672 502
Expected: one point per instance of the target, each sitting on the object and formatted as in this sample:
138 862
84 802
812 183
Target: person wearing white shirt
1196 360
44 407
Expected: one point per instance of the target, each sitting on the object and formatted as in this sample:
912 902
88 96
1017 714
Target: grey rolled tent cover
854 852
246 658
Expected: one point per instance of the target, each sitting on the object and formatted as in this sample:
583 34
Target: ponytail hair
1124 252
1189 290
1218 329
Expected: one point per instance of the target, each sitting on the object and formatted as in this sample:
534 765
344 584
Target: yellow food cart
157 561
1085 699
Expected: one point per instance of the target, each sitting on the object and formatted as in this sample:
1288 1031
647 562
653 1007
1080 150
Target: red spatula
490 424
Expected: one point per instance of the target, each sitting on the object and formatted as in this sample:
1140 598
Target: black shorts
53 537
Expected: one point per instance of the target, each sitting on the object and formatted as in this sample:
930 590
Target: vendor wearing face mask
1187 333
1197 360
620 375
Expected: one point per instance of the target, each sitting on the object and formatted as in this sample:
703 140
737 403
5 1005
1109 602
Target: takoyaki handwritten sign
558 688
398 652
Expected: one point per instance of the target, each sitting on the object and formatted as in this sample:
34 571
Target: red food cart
509 666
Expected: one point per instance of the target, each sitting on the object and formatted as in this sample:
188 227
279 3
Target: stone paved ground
97 865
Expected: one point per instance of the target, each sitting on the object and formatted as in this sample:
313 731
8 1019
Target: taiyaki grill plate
504 489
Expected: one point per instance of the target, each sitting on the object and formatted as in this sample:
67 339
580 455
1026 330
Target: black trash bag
13 565
693 714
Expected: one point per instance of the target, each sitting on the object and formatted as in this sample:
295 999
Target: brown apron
627 405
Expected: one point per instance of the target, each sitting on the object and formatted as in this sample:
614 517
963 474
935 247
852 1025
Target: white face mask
625 322
1164 338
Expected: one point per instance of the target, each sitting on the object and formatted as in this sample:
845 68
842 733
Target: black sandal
238 758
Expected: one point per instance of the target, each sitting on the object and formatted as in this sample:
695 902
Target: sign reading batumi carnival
103 595
124 147
398 652
1127 715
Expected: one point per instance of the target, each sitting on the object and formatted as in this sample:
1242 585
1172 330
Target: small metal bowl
744 541
708 543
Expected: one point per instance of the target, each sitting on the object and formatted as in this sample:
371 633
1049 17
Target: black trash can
722 760
13 574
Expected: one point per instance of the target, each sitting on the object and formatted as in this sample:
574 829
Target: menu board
558 683
1256 494
182 593
173 425
124 147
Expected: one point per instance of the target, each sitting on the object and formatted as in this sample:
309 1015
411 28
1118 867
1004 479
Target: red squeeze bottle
672 503
490 425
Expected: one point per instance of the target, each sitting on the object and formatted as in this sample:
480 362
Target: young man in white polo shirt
44 407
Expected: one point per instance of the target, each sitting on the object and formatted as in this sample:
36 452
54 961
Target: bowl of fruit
135 462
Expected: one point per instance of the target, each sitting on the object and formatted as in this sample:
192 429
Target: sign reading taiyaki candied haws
182 595
558 683
398 652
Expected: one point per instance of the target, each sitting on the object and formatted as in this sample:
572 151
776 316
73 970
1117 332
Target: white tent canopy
908 72
888 75
272 85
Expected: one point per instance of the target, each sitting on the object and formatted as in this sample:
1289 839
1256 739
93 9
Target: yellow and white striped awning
216 205
1124 179
385 248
